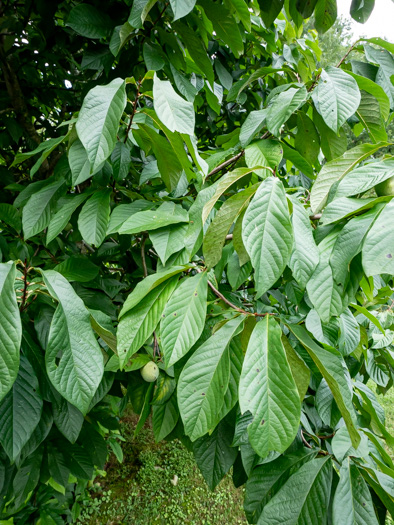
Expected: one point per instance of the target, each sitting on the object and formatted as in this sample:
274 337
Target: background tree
177 189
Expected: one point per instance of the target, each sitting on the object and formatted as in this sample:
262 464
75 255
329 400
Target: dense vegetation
186 226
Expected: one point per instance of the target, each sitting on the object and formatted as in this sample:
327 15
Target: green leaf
269 10
377 91
120 160
360 11
352 501
176 113
337 96
349 242
378 246
164 418
369 316
304 498
332 145
345 207
145 286
263 153
87 21
168 213
214 454
265 481
325 14
299 162
223 184
169 240
386 67
94 217
330 366
184 317
97 320
231 394
197 50
181 8
224 25
335 170
38 211
98 120
299 370
253 124
45 148
20 411
201 389
305 7
283 106
26 479
122 212
67 418
73 358
140 11
139 323
307 140
369 115
79 163
215 236
349 337
305 254
78 269
267 233
366 177
10 329
10 216
342 445
268 391
61 218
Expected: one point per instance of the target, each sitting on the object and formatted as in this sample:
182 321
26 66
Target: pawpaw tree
178 197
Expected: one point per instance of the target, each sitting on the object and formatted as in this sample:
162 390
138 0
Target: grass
142 490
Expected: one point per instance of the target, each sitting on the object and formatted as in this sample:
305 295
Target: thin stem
145 269
226 163
133 111
347 53
25 285
304 440
315 217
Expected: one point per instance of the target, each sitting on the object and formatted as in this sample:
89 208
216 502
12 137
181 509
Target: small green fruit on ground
150 372
385 188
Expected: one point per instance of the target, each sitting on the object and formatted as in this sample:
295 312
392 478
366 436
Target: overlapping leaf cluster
177 186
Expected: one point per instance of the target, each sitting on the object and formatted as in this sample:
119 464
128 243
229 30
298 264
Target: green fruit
150 372
385 188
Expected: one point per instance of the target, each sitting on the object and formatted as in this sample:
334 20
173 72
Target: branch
145 269
25 284
348 53
226 163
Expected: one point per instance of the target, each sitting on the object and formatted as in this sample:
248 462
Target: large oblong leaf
268 391
10 329
174 112
331 366
338 97
352 503
139 322
184 317
267 233
204 380
73 357
378 246
20 411
94 217
303 498
336 169
98 120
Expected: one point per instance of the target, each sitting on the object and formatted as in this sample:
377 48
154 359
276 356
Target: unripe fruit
150 372
385 188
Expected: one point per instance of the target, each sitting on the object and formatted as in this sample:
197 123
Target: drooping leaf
335 170
88 21
337 96
378 246
267 233
73 358
59 221
330 366
308 490
165 418
269 10
99 118
267 390
349 333
175 112
183 318
10 329
214 454
20 411
94 216
201 390
168 213
283 106
325 14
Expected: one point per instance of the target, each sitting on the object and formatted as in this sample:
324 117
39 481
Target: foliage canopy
177 187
